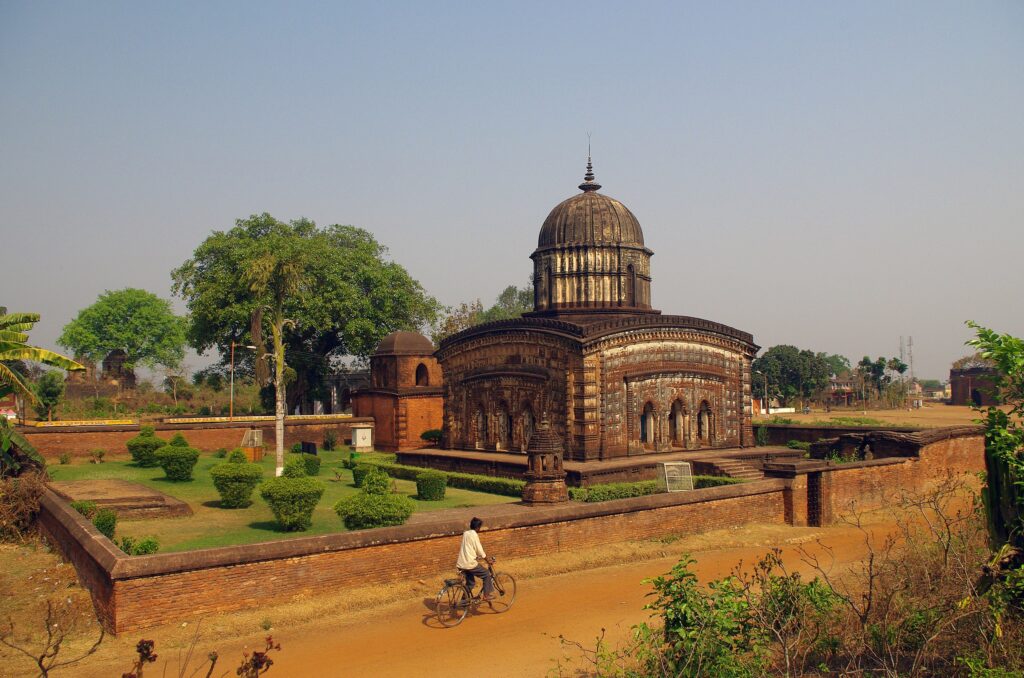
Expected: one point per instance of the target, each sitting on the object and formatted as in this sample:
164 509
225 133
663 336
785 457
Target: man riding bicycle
470 553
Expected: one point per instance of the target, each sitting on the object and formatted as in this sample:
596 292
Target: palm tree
14 329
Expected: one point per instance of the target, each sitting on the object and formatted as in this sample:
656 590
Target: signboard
675 476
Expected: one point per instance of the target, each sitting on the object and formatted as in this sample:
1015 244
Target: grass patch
211 525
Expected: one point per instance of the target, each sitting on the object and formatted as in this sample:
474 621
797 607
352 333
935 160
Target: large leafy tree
792 373
131 320
350 297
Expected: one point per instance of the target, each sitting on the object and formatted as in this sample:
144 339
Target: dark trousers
483 573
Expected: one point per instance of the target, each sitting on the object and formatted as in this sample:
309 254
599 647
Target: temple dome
404 343
590 218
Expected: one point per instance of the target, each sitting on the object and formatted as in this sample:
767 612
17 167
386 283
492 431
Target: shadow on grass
269 526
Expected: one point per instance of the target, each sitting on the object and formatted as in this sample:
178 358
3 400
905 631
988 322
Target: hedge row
509 487
609 491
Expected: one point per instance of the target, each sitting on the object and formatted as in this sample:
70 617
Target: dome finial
589 184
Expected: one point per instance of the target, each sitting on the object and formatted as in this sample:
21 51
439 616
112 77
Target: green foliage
97 455
237 456
798 445
509 487
1004 436
792 373
142 547
330 440
17 455
49 391
365 510
511 303
235 483
297 448
86 508
359 472
105 521
178 440
761 436
65 458
351 296
143 447
376 481
222 453
15 350
312 464
294 467
432 436
610 491
430 485
177 462
292 500
131 320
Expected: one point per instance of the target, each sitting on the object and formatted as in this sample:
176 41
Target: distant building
973 386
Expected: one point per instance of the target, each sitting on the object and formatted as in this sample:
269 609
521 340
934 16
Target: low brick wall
780 434
139 592
79 441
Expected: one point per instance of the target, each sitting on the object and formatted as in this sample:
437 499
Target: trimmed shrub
177 462
578 493
143 547
359 472
376 481
221 453
294 468
610 491
701 482
86 508
312 464
509 487
178 440
297 448
433 436
364 511
105 521
237 456
430 485
144 446
330 440
235 483
292 500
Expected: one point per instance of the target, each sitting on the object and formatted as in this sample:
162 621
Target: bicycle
455 599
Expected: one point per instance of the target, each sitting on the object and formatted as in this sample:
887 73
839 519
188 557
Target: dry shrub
19 504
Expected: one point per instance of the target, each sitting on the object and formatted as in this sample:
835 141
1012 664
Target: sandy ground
392 632
930 416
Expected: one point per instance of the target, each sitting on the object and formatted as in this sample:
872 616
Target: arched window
422 375
677 423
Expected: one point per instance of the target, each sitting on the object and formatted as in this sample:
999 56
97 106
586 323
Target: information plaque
675 476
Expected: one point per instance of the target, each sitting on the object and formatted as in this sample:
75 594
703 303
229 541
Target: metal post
231 398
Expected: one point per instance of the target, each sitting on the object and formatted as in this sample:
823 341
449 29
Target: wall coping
119 566
161 426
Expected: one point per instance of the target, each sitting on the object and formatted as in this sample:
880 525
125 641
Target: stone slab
127 499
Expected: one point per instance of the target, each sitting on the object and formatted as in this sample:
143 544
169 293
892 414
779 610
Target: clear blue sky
830 175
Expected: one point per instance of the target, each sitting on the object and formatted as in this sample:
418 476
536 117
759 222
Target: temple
613 376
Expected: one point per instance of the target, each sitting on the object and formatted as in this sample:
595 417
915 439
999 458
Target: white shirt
470 550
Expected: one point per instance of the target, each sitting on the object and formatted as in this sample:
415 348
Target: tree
970 361
837 364
792 373
14 351
352 296
131 320
49 390
512 303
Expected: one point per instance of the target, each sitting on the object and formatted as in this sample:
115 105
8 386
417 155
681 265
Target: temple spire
588 179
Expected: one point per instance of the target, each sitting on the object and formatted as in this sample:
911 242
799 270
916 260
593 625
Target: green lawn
211 525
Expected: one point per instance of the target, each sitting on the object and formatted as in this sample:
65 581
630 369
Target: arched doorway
528 424
677 424
480 426
422 375
705 424
501 437
976 397
647 425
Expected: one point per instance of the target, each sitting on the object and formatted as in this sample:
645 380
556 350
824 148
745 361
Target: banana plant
14 329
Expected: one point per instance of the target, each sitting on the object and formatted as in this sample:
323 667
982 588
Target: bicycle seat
452 582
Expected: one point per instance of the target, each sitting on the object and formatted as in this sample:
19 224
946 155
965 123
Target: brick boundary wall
134 593
79 441
780 434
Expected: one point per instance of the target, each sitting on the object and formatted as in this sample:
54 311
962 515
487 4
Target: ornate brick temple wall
613 376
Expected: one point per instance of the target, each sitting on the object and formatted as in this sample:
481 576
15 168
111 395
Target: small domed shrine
405 394
613 376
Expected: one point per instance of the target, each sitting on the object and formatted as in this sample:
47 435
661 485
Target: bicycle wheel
504 592
452 604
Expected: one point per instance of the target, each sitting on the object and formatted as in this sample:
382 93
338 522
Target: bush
65 458
297 448
177 462
144 446
433 436
294 467
701 482
292 500
19 504
143 547
178 440
798 445
761 436
312 463
97 455
509 487
364 511
221 453
376 481
105 521
430 485
330 440
86 508
237 456
235 483
359 472
609 491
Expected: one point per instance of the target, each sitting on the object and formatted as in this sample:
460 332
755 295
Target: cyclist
470 553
